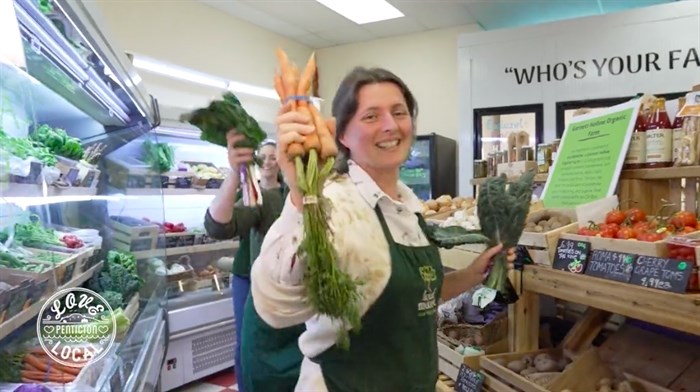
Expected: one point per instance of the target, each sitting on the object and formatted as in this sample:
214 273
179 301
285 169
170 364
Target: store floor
224 381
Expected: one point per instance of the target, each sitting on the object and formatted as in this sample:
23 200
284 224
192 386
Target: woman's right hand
237 156
292 126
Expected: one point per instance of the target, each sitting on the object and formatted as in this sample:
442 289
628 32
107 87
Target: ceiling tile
313 41
243 10
306 14
393 27
436 14
346 35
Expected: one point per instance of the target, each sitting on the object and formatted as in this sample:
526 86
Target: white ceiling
314 25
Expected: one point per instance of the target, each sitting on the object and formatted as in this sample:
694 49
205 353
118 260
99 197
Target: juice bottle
659 137
678 133
637 151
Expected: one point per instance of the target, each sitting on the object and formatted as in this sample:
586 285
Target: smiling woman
380 239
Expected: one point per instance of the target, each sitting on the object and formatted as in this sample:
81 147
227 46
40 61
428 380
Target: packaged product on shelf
680 142
637 151
659 137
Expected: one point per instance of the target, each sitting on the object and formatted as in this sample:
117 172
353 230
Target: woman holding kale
227 218
380 238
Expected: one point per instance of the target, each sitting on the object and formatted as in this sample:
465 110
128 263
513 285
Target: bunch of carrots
331 291
39 368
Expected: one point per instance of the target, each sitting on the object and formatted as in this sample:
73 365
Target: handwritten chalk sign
663 274
571 255
468 380
611 265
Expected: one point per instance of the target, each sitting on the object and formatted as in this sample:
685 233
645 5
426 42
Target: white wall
486 57
195 36
427 62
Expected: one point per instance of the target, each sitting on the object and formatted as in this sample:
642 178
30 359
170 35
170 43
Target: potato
605 388
527 359
453 334
565 220
517 366
530 224
528 371
457 201
432 204
538 229
444 200
471 211
625 386
445 209
429 212
478 340
466 204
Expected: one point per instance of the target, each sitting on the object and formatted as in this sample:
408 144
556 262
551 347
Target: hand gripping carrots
331 291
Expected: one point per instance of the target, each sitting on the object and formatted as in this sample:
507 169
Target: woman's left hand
481 266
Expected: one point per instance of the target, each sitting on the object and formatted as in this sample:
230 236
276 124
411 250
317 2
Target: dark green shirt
250 224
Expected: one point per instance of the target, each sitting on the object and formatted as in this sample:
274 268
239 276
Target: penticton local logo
76 326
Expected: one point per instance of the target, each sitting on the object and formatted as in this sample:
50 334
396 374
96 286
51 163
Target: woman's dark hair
345 102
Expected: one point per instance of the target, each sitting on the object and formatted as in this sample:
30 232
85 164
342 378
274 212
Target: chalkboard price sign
663 274
611 265
468 380
571 255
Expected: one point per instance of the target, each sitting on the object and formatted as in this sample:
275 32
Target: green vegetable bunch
34 233
24 148
216 120
502 215
119 276
58 142
160 156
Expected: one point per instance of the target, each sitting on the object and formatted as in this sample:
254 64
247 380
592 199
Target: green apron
396 350
271 357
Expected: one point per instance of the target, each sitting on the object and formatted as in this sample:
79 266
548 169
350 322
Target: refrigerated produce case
69 100
431 167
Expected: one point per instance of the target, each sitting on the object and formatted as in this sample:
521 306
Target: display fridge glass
415 172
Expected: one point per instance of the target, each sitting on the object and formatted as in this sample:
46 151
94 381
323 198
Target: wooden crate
658 248
649 187
576 347
543 246
133 238
176 240
65 270
449 360
489 333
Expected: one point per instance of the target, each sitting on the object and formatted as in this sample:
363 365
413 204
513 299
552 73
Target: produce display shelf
665 173
214 246
169 191
539 178
8 189
31 312
677 311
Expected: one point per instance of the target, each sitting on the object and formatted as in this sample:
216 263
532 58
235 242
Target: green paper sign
590 157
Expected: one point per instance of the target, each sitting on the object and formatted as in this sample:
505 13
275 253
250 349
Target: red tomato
626 233
611 227
650 236
684 218
636 215
615 216
689 229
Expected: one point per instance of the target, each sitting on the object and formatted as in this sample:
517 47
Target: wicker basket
479 335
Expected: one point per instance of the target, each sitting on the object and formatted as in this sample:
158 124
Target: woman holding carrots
379 237
227 218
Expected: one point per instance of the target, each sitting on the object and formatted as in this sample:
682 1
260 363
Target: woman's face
269 166
380 134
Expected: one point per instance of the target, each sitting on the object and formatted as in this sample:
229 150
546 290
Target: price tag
483 296
662 274
468 380
571 256
611 265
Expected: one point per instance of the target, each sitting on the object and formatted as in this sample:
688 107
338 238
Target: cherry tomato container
686 248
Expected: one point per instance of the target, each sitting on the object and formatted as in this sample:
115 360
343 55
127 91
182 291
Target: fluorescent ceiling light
178 72
363 11
182 73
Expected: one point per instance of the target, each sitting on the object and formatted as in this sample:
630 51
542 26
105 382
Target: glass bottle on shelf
659 137
636 153
678 134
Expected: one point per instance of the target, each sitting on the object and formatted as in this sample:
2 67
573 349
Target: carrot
32 360
43 377
327 147
306 77
279 87
287 75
